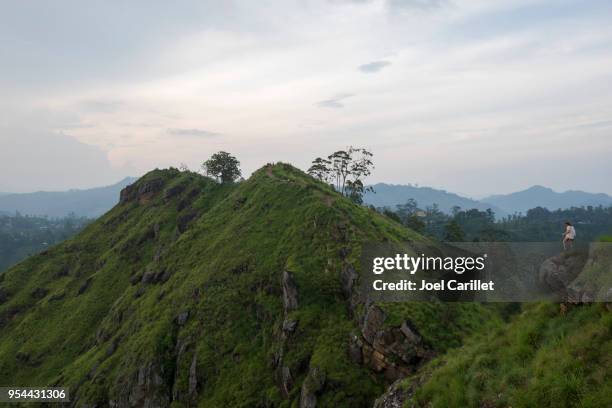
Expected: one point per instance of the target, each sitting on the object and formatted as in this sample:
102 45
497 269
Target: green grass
79 315
224 270
542 358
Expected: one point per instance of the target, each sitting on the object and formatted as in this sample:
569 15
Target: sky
475 97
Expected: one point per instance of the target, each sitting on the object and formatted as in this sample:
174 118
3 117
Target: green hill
189 292
548 355
543 358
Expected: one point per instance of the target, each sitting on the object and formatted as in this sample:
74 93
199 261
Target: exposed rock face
286 380
181 319
141 191
312 385
395 396
193 377
289 326
174 191
348 278
290 293
354 349
145 389
185 220
560 270
394 351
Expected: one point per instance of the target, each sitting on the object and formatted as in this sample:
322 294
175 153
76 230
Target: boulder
559 271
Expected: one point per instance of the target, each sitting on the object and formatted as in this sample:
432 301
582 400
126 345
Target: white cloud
474 85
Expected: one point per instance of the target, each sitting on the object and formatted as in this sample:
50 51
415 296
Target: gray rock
348 278
145 389
290 292
372 323
289 325
140 190
193 377
395 396
559 271
410 332
181 319
286 380
354 349
312 385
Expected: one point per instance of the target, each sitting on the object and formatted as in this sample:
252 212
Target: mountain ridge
541 196
390 195
192 292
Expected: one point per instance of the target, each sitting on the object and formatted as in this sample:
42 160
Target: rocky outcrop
193 377
181 319
141 191
394 351
289 326
311 387
395 396
290 292
559 271
286 380
146 388
185 391
348 276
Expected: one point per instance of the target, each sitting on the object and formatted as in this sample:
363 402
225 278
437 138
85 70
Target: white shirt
570 232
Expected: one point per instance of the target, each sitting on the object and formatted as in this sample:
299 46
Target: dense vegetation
542 358
22 236
537 225
183 293
196 293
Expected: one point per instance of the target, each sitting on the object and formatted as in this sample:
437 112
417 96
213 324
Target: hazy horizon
473 97
447 189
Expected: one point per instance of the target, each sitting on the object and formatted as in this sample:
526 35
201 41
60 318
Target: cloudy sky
475 96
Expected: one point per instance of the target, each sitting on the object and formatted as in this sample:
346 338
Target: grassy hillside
193 293
543 358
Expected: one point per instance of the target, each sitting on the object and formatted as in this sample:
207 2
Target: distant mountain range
84 203
96 201
390 195
535 196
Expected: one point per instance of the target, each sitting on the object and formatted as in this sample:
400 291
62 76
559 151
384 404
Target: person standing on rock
568 236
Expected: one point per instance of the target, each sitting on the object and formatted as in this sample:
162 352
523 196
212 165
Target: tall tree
222 166
408 209
346 170
320 169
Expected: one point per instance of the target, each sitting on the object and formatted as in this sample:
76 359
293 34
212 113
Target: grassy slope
79 315
546 356
542 358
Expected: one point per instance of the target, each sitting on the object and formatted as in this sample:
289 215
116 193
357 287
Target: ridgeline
190 292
